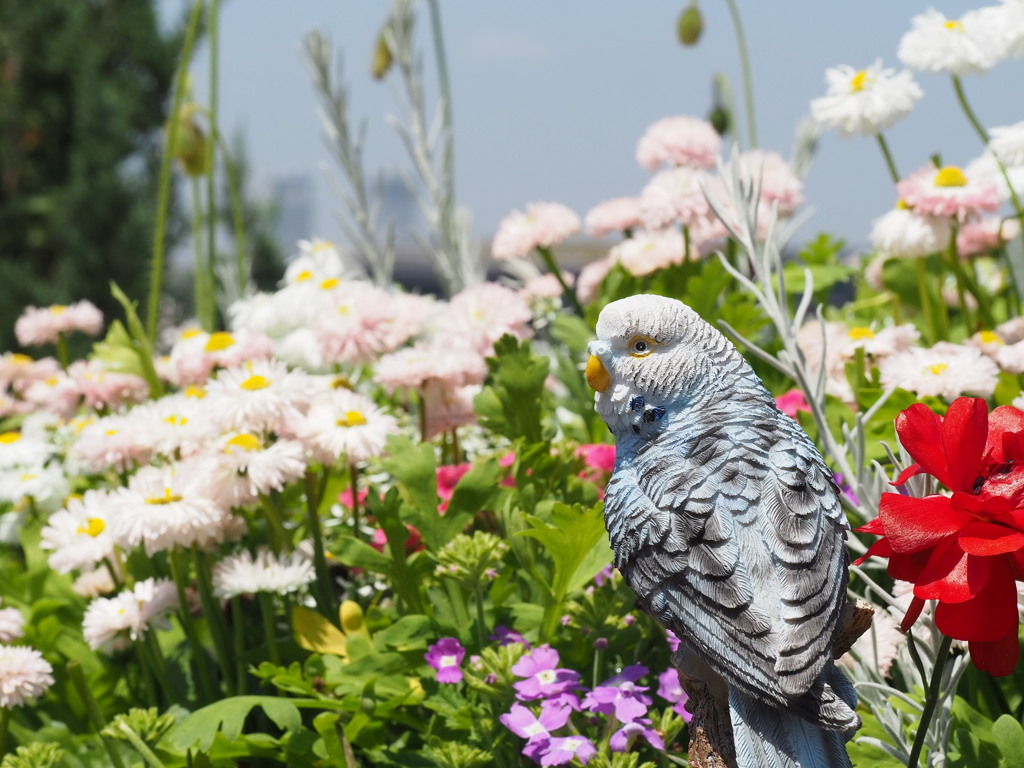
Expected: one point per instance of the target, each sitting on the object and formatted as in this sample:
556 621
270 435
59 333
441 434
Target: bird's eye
641 346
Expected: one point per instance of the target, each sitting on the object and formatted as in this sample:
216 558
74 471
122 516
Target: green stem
267 614
962 98
353 475
63 357
275 525
423 413
156 656
139 745
567 291
238 639
92 708
481 617
445 90
201 282
211 167
598 666
156 267
324 593
180 575
214 618
5 720
931 701
926 302
884 146
237 215
748 80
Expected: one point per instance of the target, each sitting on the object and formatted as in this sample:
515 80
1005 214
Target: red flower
965 550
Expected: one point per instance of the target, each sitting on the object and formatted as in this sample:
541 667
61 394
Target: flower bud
382 58
690 25
190 143
720 119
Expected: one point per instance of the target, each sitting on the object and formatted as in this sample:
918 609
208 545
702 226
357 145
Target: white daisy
162 507
94 583
341 423
986 169
18 449
865 101
967 46
247 465
46 486
12 624
243 574
110 622
24 675
903 233
945 370
79 534
260 395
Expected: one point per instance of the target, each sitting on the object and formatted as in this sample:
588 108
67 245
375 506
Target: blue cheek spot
637 403
657 413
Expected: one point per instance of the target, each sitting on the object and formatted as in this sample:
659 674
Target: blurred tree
84 93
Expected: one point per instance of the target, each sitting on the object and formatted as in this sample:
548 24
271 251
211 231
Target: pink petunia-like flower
621 696
445 656
526 725
43 325
948 191
622 740
544 678
599 456
542 226
678 141
448 476
671 691
616 215
562 749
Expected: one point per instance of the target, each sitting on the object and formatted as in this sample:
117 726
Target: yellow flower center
82 423
194 390
901 205
303 276
177 421
58 309
937 370
52 381
857 82
352 419
10 437
950 176
244 440
219 340
861 332
990 337
190 333
110 432
954 25
167 498
93 527
28 476
330 282
20 359
322 245
255 382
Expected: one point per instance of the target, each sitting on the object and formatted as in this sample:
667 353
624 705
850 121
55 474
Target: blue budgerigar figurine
725 520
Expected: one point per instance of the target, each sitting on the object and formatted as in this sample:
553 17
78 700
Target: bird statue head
649 350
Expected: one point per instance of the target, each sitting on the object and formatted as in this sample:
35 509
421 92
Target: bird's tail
768 737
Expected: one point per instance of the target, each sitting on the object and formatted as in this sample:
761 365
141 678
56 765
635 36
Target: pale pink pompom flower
675 196
357 327
18 370
412 367
103 388
775 178
678 141
448 408
948 191
12 624
43 325
647 252
24 675
986 234
588 283
616 215
541 226
482 314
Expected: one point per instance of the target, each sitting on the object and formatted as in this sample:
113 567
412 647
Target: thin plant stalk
322 591
179 574
139 745
267 616
237 217
211 165
63 357
275 525
353 486
931 701
92 708
748 80
926 302
156 265
889 162
238 643
567 290
214 617
202 286
5 721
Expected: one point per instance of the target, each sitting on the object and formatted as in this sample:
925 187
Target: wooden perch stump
711 744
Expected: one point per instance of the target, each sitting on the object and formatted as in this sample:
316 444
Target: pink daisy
105 389
986 234
906 233
775 178
44 325
615 215
357 328
412 367
479 316
676 141
543 225
647 252
24 675
675 196
948 191
588 283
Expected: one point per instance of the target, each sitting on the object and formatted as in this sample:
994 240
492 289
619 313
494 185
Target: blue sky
550 98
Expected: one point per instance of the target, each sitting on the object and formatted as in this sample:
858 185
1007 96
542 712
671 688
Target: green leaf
1009 738
227 716
117 352
414 468
512 402
326 724
406 633
350 551
475 490
140 342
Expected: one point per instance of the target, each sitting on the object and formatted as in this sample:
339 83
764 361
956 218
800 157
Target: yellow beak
597 374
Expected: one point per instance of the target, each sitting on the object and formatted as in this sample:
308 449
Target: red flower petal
997 657
880 548
950 575
913 612
920 432
915 524
987 539
1005 433
906 474
964 434
990 615
907 567
873 526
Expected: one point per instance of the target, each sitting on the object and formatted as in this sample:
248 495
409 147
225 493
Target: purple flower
623 738
621 696
445 656
523 723
603 576
561 750
845 488
671 691
543 677
505 636
673 641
